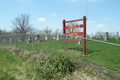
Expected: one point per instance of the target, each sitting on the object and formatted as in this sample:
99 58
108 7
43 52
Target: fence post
5 39
32 43
64 45
84 36
16 40
63 33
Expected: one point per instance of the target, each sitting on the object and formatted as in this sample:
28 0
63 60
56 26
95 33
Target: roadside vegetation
48 61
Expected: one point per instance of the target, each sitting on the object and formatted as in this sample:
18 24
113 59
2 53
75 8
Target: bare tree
57 31
47 30
3 32
99 34
21 24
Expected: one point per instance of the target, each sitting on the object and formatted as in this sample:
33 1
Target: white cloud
53 14
41 19
89 22
106 19
100 25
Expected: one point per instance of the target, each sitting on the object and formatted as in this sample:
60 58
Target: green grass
101 54
13 67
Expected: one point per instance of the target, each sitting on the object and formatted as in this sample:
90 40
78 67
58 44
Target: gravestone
106 38
80 42
10 39
40 41
53 37
117 36
37 37
59 37
46 37
29 41
0 39
4 40
29 38
18 38
91 36
76 37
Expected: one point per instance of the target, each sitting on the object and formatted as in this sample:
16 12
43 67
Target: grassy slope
104 54
15 67
99 53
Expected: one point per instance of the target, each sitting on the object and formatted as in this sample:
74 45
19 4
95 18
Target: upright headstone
117 36
106 38
76 37
38 37
46 37
59 37
0 39
80 42
91 36
29 38
10 39
53 37
18 38
4 40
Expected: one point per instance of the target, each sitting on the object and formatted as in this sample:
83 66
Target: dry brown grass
26 53
40 56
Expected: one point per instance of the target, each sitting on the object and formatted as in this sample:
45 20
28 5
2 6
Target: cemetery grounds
102 62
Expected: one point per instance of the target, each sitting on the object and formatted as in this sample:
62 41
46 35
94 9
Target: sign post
75 33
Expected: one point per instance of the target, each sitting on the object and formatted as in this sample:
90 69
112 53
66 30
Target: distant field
100 54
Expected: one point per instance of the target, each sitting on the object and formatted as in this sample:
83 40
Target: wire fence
103 57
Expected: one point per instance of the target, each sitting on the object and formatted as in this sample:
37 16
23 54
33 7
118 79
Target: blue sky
102 15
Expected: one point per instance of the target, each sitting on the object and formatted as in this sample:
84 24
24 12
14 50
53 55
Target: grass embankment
13 67
17 64
104 57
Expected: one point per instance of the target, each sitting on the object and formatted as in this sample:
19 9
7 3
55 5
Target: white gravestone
46 37
29 38
53 37
76 37
80 42
4 40
106 38
10 39
91 35
59 37
18 38
117 36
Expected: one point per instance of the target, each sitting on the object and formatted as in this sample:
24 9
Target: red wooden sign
76 33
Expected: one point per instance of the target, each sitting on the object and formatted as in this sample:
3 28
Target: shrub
46 69
64 64
49 68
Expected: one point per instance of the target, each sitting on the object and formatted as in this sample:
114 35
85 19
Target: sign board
75 33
